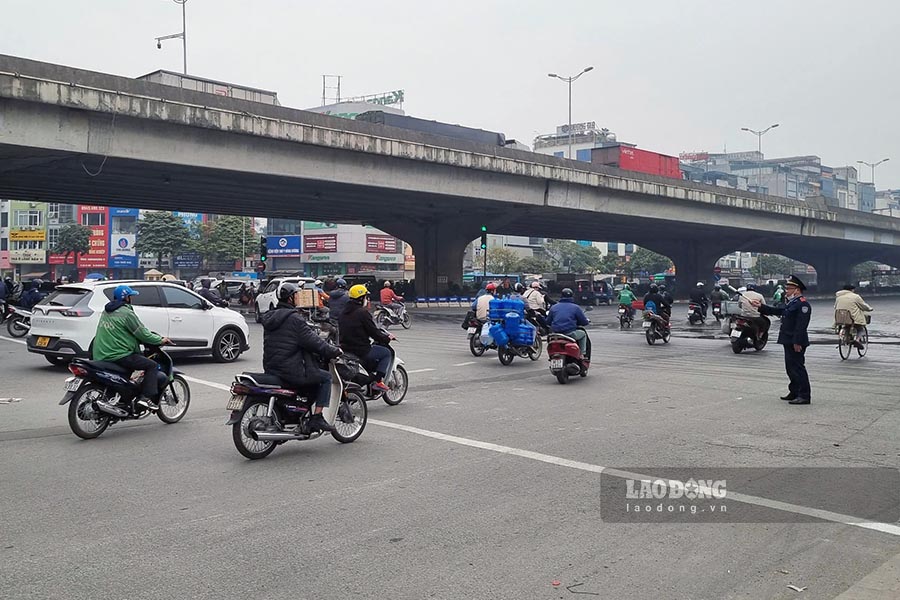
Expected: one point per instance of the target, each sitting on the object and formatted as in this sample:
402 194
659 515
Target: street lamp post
182 35
759 135
569 80
873 165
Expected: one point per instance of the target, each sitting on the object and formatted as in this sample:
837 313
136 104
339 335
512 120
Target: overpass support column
694 261
439 247
833 270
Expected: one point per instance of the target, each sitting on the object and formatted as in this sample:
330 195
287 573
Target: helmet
490 287
699 284
717 287
536 284
37 282
567 293
387 283
653 289
358 291
286 292
751 287
627 287
520 288
662 287
742 289
204 283
123 291
341 283
318 282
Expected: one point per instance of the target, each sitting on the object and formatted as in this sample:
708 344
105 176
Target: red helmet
490 287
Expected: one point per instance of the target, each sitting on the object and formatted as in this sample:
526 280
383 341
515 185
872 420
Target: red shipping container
635 159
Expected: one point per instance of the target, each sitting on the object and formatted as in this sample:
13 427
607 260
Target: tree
73 239
863 271
573 257
608 264
502 260
771 265
226 238
534 264
649 261
161 234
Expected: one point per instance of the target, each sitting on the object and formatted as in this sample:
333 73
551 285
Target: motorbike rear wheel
381 319
537 348
475 345
84 419
651 334
506 356
252 417
354 405
666 336
736 346
16 326
562 377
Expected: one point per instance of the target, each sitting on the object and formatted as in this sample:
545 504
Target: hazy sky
669 75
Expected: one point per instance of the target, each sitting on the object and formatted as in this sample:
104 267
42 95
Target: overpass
70 135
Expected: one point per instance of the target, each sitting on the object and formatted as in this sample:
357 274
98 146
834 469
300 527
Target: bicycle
846 329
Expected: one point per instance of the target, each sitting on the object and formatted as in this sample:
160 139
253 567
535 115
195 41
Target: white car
268 296
64 324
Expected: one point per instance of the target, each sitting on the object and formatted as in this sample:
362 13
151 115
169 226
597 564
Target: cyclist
847 299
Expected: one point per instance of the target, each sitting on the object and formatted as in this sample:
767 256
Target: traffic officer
793 336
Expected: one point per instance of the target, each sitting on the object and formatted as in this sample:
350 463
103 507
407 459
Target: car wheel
257 315
227 346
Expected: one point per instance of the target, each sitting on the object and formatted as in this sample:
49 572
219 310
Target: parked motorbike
695 313
656 328
397 379
625 316
744 336
385 317
717 311
18 321
102 393
264 414
566 359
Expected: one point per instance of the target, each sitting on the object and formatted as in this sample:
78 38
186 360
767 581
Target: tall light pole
569 80
759 135
182 35
873 165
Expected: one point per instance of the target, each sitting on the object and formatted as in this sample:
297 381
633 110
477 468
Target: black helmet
341 283
653 289
286 292
662 287
567 293
520 288
751 287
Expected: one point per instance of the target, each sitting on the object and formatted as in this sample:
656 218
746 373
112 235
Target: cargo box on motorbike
731 308
498 308
637 305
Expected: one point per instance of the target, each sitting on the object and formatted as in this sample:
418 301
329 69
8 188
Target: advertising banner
28 257
60 259
134 213
316 225
188 260
26 235
380 243
96 218
320 243
121 251
285 245
4 260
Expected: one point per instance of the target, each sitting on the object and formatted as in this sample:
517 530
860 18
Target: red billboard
381 243
97 218
320 243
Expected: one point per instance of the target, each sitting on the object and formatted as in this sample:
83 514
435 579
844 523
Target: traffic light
263 249
484 237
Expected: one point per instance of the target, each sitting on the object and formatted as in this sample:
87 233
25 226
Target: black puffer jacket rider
289 345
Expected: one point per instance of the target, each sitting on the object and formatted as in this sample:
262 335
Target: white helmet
387 283
699 284
318 282
742 289
536 284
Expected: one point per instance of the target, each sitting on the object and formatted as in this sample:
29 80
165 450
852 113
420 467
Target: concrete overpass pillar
439 247
833 270
694 261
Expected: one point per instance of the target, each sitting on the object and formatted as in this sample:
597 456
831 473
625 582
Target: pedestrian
793 336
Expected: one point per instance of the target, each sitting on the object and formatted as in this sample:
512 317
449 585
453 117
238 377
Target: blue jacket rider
565 317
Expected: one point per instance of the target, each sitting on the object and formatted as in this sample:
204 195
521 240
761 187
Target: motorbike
102 393
625 316
264 414
566 359
385 317
18 321
397 379
538 318
717 311
656 328
695 313
744 336
473 332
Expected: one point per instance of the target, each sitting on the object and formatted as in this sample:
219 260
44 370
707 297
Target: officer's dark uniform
794 322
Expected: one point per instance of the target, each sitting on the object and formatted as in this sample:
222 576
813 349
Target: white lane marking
591 468
420 371
465 364
3 337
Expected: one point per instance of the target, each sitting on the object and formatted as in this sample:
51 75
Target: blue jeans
322 393
378 358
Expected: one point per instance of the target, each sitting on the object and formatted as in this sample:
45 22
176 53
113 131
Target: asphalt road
484 483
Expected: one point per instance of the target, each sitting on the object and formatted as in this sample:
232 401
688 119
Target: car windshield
68 297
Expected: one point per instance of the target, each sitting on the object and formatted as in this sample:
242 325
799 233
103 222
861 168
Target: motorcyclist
4 292
718 296
120 334
848 299
292 350
626 298
32 295
748 303
778 295
391 300
518 291
483 303
505 289
357 326
667 296
534 298
698 296
211 295
566 317
337 299
663 308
